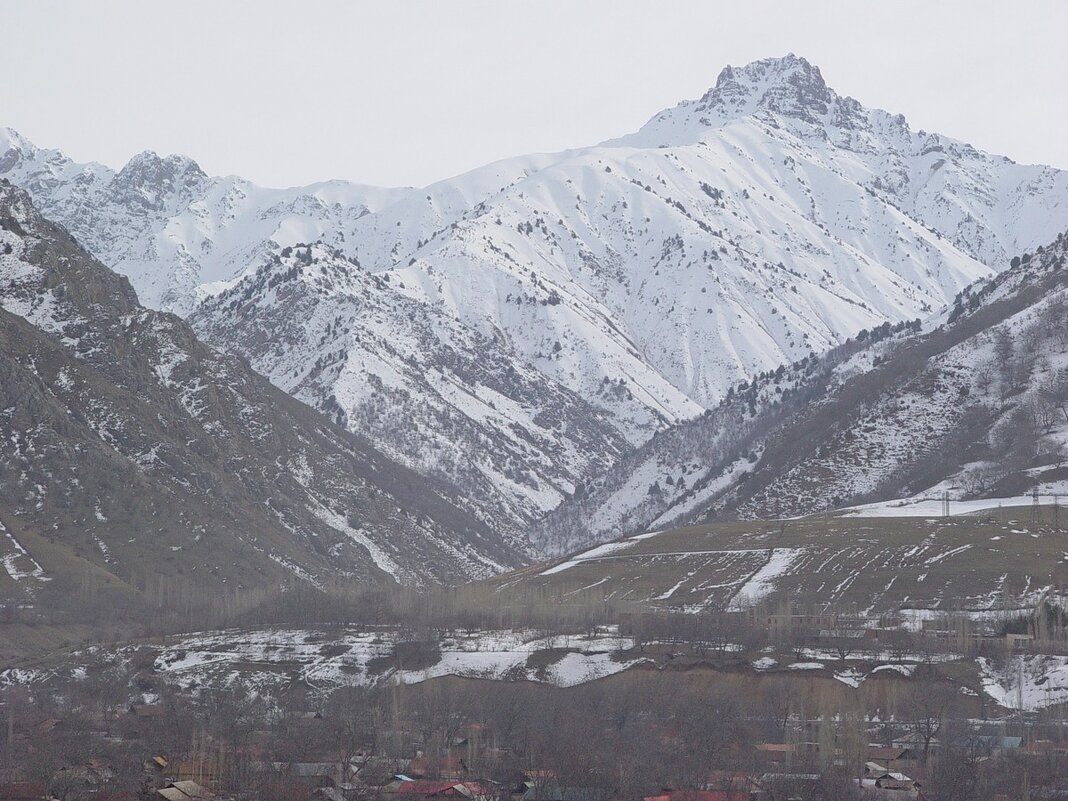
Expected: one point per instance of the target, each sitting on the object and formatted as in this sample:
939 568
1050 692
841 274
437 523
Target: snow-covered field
269 659
930 507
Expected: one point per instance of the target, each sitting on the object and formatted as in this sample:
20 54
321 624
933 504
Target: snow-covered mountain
170 228
633 282
138 459
973 402
444 398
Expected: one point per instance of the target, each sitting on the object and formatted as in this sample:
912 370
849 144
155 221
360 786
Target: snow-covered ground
600 552
17 561
268 659
1026 682
926 506
762 583
913 620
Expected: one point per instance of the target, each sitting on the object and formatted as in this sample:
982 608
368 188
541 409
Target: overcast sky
409 92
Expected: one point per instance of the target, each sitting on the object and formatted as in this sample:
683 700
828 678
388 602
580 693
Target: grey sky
410 92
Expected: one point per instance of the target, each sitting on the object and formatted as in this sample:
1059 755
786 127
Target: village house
146 711
203 769
184 791
414 789
1046 747
775 752
896 781
914 744
892 757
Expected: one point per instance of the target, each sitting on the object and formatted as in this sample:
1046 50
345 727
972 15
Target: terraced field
986 561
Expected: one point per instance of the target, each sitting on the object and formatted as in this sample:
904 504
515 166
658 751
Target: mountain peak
13 147
788 88
789 85
781 67
148 162
10 139
149 179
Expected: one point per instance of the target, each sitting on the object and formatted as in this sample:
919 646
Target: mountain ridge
642 278
972 402
147 461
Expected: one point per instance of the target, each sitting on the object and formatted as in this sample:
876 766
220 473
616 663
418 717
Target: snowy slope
973 402
976 407
988 206
767 220
435 394
170 228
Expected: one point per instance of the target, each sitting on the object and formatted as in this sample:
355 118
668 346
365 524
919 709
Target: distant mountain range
516 331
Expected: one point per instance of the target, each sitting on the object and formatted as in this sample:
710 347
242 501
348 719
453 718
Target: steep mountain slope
140 460
438 395
768 220
976 405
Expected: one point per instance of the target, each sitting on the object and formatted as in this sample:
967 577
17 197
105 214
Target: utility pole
1036 510
10 725
1019 687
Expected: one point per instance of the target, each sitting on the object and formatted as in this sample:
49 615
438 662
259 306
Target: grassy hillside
984 561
